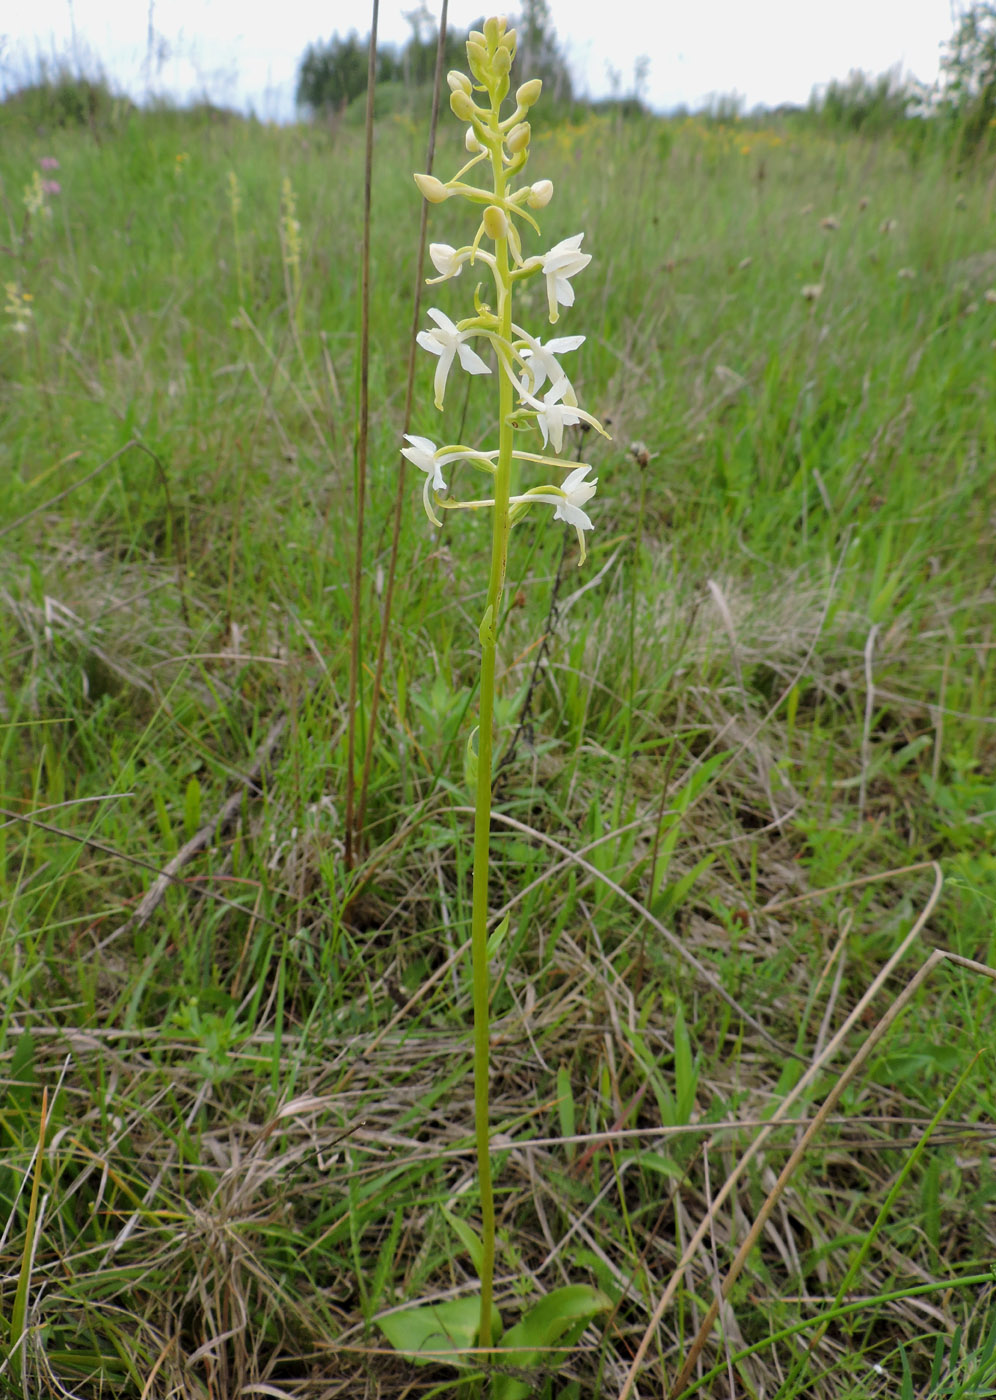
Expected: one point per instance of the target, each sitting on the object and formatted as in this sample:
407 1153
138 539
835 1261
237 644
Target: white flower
576 492
447 261
559 264
543 366
447 342
553 417
423 454
567 501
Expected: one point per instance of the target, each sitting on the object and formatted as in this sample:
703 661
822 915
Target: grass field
751 756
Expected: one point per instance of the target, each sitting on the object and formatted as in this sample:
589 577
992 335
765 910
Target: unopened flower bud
462 105
540 194
432 189
471 142
518 138
477 57
491 32
509 41
459 82
502 61
476 37
529 92
495 222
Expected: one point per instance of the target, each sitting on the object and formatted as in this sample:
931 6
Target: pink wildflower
51 187
49 163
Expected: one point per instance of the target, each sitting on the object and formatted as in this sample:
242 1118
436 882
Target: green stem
485 744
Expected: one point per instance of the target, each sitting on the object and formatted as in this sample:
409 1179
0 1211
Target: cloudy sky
768 51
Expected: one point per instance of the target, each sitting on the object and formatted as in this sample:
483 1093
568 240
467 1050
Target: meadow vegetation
747 758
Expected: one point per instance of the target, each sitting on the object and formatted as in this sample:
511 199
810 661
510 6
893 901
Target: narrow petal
428 341
471 360
442 321
565 292
561 344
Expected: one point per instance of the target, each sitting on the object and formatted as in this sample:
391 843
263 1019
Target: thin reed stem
361 443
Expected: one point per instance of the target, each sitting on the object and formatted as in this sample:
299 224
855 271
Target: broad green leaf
438 1332
556 1320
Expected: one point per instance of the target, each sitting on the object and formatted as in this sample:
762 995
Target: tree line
333 73
961 107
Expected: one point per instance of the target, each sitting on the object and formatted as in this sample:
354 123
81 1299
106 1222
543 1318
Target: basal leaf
556 1320
439 1331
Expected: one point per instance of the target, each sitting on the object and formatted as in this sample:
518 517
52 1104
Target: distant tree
539 54
418 58
969 77
331 75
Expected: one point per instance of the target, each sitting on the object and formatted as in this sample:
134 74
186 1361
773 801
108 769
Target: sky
243 54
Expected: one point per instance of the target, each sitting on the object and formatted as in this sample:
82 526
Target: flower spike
533 391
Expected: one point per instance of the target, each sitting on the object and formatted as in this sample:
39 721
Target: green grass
259 1100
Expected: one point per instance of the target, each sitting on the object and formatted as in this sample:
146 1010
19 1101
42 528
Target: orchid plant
534 393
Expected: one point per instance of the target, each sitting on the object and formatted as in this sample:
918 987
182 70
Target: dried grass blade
19 1312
